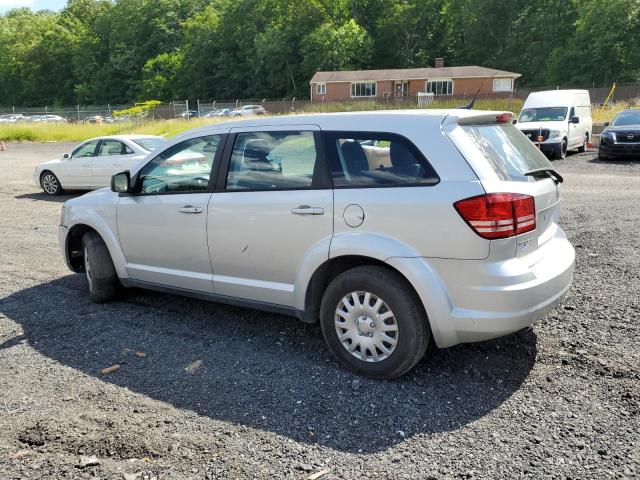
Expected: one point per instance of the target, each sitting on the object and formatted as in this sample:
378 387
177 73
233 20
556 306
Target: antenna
470 105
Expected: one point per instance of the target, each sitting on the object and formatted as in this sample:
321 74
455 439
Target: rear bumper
475 300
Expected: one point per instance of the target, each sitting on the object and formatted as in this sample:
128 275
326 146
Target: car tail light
498 215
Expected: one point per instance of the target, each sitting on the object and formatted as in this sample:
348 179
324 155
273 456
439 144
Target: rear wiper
545 172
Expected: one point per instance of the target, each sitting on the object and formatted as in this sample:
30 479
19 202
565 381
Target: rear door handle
307 210
191 209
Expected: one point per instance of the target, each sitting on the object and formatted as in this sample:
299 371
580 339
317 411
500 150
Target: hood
624 128
90 196
49 163
562 125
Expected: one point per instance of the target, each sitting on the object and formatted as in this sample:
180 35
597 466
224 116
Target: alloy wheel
50 183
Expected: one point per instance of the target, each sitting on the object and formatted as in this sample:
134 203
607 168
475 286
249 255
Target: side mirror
121 183
515 120
606 124
66 155
575 120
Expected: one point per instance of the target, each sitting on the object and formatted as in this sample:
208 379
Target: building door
400 88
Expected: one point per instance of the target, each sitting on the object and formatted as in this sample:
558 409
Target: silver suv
390 228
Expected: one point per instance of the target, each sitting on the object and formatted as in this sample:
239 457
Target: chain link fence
225 108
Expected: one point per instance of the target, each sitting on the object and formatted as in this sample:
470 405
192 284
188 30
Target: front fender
91 210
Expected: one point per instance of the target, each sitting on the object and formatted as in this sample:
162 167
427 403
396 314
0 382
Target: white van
557 120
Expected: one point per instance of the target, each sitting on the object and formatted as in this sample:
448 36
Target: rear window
149 144
507 150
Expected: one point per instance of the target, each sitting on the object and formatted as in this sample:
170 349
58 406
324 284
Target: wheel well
75 253
329 270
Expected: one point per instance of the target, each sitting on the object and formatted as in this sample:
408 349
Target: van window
545 114
507 150
372 159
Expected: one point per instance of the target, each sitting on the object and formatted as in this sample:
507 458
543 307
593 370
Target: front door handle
191 209
307 210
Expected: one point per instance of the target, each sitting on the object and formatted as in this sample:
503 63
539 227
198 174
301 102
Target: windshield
546 114
625 119
507 150
149 143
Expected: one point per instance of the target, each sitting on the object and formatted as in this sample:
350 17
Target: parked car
12 118
557 121
94 119
247 111
221 112
389 227
92 163
621 137
52 119
189 114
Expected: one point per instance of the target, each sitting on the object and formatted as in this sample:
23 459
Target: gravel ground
211 391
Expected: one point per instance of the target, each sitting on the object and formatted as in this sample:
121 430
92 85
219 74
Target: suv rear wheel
102 278
373 323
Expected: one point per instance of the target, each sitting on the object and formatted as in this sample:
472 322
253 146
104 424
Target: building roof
410 74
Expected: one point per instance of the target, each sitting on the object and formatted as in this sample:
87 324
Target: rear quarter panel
417 221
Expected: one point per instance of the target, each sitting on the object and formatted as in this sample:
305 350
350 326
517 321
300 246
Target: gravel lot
211 391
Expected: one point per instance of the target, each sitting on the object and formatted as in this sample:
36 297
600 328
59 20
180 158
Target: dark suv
621 138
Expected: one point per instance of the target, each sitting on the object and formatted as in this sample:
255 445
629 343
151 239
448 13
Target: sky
32 4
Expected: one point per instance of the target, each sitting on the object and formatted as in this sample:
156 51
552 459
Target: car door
109 160
76 170
163 226
575 135
272 208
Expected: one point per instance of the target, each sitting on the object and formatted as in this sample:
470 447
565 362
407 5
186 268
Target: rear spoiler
486 118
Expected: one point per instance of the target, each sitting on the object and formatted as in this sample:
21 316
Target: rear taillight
498 215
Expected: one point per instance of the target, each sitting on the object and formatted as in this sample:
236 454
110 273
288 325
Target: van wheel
102 278
373 322
50 183
585 143
561 153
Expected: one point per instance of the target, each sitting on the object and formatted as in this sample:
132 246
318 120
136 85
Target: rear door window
376 159
507 150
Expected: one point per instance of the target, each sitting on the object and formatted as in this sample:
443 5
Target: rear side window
376 159
507 150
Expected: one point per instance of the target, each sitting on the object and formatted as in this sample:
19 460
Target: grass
68 132
509 104
601 114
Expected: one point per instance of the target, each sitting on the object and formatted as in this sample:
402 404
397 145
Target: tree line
103 51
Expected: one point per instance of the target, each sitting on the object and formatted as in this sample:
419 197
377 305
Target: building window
400 88
502 85
363 89
321 88
440 87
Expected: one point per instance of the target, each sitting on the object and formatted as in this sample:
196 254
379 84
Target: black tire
585 142
413 330
561 153
102 279
50 183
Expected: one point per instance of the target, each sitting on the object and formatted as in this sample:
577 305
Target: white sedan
92 163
